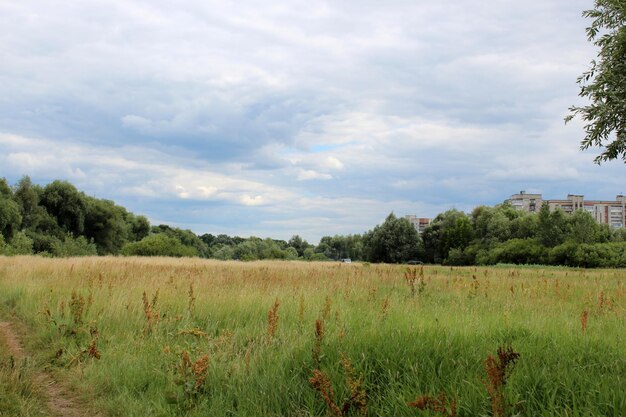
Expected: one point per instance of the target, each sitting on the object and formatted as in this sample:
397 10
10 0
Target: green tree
186 237
139 226
394 241
308 253
449 230
5 189
492 224
44 224
338 247
299 244
604 84
552 228
105 224
27 197
524 227
224 253
246 251
619 235
291 254
584 229
63 201
10 218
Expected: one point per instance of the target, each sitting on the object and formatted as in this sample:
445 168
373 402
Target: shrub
318 257
70 246
158 245
563 254
224 253
456 257
519 251
19 245
601 255
43 242
291 253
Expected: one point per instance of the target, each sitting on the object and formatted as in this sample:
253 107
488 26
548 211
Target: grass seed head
191 298
584 318
272 319
77 307
319 339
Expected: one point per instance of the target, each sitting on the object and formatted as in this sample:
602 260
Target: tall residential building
420 223
608 212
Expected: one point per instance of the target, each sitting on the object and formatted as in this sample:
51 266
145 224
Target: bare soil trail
58 398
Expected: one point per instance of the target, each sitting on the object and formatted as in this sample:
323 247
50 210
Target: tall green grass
401 343
19 396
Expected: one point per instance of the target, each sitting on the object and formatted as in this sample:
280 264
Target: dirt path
58 398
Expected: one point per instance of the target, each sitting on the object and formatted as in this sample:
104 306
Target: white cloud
252 201
334 163
309 174
137 122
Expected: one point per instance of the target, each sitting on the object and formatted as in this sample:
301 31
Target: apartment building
608 212
420 223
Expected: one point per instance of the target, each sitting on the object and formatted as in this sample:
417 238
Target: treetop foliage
604 84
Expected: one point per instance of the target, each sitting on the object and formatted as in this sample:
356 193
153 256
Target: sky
297 117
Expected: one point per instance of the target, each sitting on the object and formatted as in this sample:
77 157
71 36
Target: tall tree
27 196
298 244
605 82
394 241
105 224
62 200
553 227
5 189
10 218
449 230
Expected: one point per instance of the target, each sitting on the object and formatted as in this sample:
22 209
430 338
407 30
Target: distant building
420 223
608 212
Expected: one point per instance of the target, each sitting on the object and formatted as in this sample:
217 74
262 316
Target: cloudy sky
283 117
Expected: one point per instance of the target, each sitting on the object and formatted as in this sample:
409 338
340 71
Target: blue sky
284 117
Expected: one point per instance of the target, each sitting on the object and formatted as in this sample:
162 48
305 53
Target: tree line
59 220
492 235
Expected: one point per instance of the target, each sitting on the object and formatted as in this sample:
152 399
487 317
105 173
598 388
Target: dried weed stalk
77 307
358 397
192 375
415 279
326 309
150 312
439 404
191 300
319 340
584 317
384 309
498 371
301 309
321 383
272 319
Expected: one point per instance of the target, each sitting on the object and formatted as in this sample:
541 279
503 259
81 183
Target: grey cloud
410 106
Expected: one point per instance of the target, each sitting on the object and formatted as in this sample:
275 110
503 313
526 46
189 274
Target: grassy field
171 337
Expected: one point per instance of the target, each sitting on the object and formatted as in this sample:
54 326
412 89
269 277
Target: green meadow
190 337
